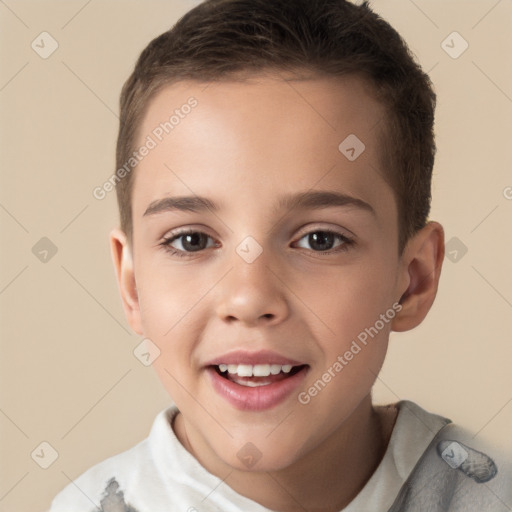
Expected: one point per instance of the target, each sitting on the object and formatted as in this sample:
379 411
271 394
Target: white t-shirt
160 475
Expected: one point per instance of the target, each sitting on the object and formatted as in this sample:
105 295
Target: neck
324 480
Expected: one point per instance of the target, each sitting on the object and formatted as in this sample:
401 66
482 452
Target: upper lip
252 358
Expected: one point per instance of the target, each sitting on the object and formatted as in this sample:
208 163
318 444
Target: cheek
171 318
346 300
352 335
167 297
347 373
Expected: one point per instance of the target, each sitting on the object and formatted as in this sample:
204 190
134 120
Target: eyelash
347 242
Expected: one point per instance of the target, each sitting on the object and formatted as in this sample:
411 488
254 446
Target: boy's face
268 285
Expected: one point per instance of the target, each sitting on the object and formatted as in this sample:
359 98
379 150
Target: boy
274 164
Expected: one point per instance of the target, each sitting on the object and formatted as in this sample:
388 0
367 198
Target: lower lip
258 398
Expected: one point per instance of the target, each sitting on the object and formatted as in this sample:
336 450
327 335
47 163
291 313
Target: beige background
68 373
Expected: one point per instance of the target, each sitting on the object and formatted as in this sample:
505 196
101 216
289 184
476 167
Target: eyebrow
316 199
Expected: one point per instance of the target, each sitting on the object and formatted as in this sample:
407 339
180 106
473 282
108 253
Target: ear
123 264
422 260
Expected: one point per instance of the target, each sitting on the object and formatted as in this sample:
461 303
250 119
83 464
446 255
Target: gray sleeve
453 476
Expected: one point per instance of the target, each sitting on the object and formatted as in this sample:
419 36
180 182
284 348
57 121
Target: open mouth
256 381
257 375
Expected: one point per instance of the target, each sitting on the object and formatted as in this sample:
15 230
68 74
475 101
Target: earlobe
125 273
422 261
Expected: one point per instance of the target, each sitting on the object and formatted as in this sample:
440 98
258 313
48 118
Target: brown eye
320 241
192 241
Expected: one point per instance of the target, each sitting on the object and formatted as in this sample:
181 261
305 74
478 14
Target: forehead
326 104
249 140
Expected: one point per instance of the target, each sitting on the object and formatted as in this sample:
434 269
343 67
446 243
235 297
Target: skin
245 145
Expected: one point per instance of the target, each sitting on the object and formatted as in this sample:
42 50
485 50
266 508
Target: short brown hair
221 38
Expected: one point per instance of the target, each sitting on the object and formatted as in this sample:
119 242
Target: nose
252 293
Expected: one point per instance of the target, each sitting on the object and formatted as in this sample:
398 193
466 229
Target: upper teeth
257 370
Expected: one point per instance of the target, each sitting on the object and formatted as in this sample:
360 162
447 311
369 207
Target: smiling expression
260 252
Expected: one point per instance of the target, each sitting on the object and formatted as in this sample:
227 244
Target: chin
261 454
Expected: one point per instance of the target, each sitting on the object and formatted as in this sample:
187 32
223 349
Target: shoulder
100 482
456 472
103 486
413 431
